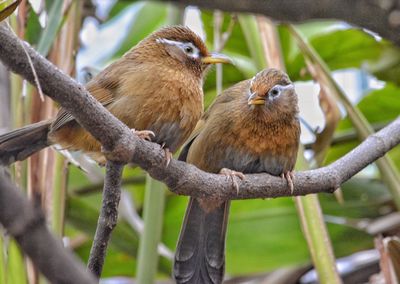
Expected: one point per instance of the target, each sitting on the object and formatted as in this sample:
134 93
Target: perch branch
380 16
27 225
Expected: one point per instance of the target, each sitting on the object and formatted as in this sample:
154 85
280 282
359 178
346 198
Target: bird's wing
225 97
103 89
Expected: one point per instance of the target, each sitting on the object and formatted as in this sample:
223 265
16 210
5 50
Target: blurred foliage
263 234
379 106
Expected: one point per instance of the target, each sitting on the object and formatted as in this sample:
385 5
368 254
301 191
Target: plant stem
218 20
252 35
3 278
58 196
316 233
389 173
15 269
153 221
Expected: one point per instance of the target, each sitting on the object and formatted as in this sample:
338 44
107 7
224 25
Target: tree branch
183 178
380 16
108 217
27 225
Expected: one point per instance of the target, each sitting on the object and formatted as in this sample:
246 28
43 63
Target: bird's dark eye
274 92
188 49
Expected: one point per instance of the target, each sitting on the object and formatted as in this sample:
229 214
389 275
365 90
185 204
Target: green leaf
339 49
236 48
6 9
155 15
16 272
50 31
83 216
33 28
378 106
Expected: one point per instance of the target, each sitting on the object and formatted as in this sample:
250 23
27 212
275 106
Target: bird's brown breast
245 139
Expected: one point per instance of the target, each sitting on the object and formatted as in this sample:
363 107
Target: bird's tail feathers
21 143
200 254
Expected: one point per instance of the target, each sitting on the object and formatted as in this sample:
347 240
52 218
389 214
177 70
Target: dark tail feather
19 144
200 254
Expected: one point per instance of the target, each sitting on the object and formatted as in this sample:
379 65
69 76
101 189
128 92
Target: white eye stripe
187 47
168 41
252 81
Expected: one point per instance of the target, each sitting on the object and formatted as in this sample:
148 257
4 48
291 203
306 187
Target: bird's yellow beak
214 58
255 99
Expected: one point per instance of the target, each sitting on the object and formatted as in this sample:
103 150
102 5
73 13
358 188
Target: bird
251 127
155 89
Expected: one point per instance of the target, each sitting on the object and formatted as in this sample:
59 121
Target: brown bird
156 87
252 127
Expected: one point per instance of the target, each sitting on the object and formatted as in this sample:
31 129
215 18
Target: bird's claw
167 154
232 174
288 176
144 134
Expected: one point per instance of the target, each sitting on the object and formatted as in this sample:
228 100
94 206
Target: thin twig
37 83
218 20
108 217
227 34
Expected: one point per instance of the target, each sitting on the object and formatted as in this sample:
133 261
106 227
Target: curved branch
27 225
182 178
380 16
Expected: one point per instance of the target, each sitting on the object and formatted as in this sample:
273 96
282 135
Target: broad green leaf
33 28
309 30
235 47
16 272
236 42
339 49
137 29
379 106
387 67
119 7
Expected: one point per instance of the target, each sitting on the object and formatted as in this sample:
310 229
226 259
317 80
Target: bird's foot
288 176
144 134
167 154
232 174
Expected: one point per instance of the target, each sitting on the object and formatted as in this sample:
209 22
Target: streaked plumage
247 129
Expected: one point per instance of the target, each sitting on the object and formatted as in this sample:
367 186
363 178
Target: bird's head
181 48
272 88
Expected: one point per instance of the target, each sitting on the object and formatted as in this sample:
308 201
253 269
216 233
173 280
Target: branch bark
182 178
380 16
108 217
27 225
